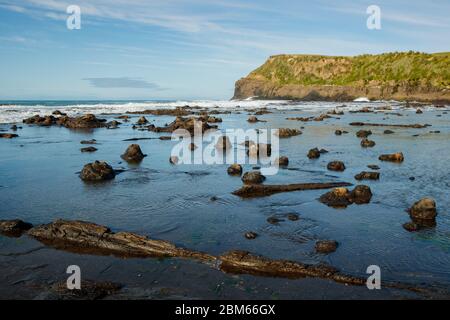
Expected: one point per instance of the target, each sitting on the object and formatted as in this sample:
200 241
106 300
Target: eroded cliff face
397 76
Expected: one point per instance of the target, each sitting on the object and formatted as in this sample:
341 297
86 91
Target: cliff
405 76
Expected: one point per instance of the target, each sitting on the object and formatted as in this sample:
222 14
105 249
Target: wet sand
193 207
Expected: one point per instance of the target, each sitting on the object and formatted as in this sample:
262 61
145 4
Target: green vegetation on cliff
398 68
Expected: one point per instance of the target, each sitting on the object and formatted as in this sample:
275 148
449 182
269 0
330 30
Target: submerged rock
388 132
253 177
88 149
286 132
250 235
338 132
314 153
133 154
373 167
235 169
336 166
366 143
396 157
326 246
142 120
368 176
14 228
90 290
97 171
92 141
293 217
273 220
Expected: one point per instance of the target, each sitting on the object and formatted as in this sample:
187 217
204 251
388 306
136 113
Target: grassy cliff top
412 68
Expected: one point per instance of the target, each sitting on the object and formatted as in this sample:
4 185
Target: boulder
14 228
141 121
133 154
419 111
235 169
338 132
97 171
361 194
336 166
250 235
314 153
252 119
342 197
282 161
253 177
396 157
366 143
326 246
92 141
286 132
363 133
424 209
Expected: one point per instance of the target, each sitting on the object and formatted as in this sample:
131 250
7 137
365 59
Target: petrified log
97 239
251 191
414 126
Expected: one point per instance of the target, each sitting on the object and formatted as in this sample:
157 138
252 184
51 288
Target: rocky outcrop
342 197
326 246
97 171
14 228
336 166
133 154
287 132
253 177
395 157
87 121
234 170
327 78
188 124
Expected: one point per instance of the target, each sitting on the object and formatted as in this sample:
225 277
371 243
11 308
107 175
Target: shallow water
39 183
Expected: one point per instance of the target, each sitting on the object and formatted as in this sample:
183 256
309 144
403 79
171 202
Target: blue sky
190 49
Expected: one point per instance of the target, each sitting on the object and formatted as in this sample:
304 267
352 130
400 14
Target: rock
235 170
81 236
88 149
293 217
361 195
259 190
124 117
8 135
273 220
14 228
87 121
282 161
336 166
373 167
412 178
396 157
338 132
368 176
192 146
414 126
411 226
419 111
113 124
189 124
90 290
223 143
40 121
92 141
259 150
177 112
366 143
141 121
58 113
13 127
388 132
326 246
133 154
174 160
213 120
251 235
322 151
253 177
314 153
286 132
342 197
363 133
252 119
424 209
97 171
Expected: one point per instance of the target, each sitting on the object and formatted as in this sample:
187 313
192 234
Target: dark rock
90 290
388 132
366 143
273 220
174 160
293 217
133 154
253 177
141 121
396 157
368 176
373 167
314 153
8 135
213 120
58 113
87 121
336 166
342 197
282 161
14 228
322 151
189 124
97 171
14 128
419 111
88 149
93 141
251 235
363 133
361 195
235 169
253 119
192 146
412 178
326 246
338 132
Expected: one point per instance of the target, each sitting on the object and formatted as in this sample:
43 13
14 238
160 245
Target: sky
190 49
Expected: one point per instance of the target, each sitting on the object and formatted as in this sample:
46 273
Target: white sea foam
16 113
